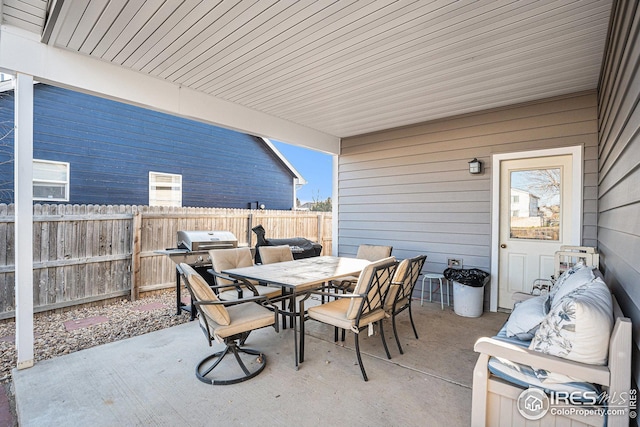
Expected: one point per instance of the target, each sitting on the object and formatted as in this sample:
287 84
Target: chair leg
364 374
243 338
395 332
234 350
301 356
344 334
220 355
413 325
384 342
232 347
283 306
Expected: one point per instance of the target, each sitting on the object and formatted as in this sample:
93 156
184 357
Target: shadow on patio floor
150 380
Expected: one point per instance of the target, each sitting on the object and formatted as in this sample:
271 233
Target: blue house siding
111 147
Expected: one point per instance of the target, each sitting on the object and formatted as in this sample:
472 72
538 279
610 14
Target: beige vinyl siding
411 188
619 165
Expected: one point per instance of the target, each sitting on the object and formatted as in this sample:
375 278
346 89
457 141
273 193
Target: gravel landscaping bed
62 333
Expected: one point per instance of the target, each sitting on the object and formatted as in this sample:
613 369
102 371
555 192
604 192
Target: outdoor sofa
572 345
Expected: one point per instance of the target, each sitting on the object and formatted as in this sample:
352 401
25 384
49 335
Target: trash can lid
467 276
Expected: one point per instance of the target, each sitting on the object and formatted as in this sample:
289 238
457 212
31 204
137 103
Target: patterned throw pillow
581 277
567 277
578 326
564 276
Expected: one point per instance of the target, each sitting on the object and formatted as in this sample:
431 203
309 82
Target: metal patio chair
368 252
226 259
229 322
399 298
358 310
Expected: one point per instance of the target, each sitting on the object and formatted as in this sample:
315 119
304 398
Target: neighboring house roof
301 181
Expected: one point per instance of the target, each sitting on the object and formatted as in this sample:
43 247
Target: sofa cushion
526 318
579 325
502 336
526 376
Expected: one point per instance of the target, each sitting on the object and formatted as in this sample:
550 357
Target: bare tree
544 183
321 206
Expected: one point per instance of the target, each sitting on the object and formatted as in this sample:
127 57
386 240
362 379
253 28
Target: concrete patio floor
149 380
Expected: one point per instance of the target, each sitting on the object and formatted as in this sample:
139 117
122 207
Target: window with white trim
50 181
165 189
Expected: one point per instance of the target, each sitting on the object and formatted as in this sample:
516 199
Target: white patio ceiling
341 67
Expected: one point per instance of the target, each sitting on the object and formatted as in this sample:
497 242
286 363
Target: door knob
503 246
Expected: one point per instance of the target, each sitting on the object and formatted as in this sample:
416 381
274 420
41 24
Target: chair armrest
585 372
229 303
237 282
343 282
521 296
331 294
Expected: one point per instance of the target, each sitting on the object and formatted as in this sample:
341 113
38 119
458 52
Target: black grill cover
300 247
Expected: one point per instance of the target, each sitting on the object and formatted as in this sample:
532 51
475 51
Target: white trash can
468 290
468 301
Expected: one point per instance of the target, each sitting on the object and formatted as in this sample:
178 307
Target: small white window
50 181
165 189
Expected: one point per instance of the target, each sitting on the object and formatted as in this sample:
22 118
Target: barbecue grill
206 240
300 247
193 248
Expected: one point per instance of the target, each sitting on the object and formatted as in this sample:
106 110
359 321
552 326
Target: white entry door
537 214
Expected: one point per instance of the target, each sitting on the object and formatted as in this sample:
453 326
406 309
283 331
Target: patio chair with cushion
225 259
399 298
368 252
229 322
358 310
272 254
275 254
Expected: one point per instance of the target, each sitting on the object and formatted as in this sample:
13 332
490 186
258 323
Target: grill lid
206 240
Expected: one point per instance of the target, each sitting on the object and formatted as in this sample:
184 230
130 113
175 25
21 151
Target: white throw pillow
526 318
578 326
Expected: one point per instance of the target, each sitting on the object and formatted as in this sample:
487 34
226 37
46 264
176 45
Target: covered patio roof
310 73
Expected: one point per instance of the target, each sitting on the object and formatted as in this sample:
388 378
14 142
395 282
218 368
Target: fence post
249 227
135 254
320 225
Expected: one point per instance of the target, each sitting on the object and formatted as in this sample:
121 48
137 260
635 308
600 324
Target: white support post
335 198
23 191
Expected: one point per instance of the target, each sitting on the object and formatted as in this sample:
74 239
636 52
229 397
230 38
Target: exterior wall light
475 166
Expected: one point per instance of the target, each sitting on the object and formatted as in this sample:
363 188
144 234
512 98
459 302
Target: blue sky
314 166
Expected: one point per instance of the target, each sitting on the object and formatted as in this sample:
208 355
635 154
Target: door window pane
535 204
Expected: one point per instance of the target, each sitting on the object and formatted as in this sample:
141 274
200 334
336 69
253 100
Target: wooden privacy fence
87 253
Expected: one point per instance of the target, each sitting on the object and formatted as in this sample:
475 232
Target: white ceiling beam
21 51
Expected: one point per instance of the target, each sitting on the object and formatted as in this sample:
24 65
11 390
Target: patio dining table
303 273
